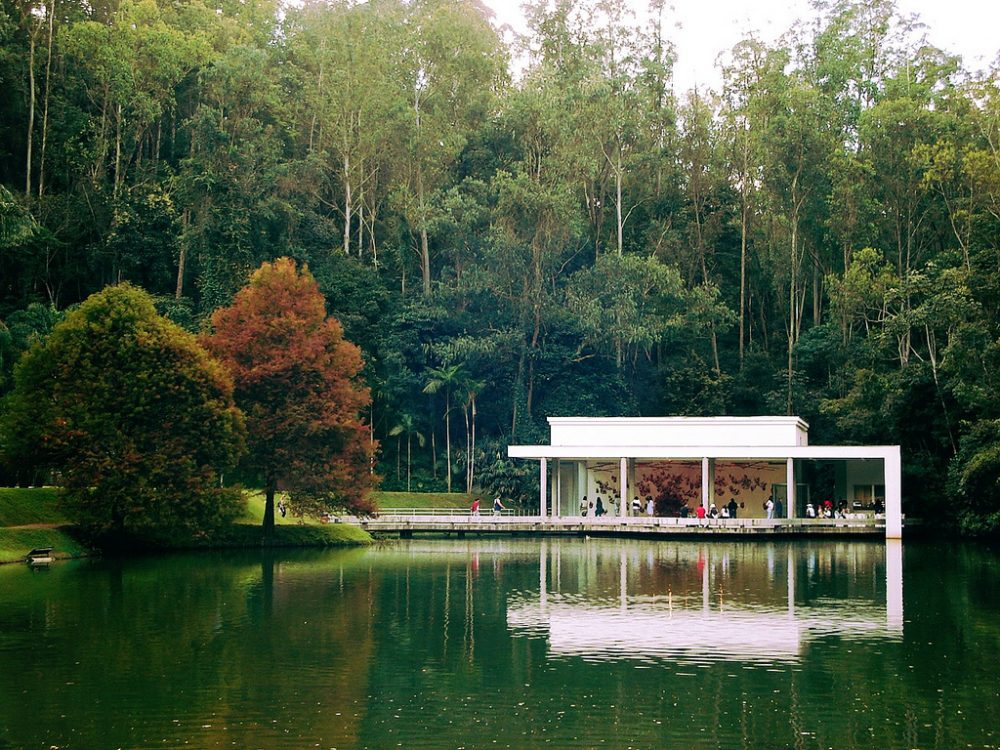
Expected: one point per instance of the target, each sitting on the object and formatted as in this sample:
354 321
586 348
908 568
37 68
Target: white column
542 485
704 483
893 494
558 496
790 492
581 487
623 486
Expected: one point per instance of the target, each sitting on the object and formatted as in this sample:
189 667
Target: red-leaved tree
299 385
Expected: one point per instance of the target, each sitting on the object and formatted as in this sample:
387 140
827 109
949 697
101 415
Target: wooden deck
752 528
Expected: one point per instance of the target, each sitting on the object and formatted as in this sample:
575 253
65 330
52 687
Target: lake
508 643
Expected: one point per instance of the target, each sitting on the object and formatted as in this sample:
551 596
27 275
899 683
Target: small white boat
39 556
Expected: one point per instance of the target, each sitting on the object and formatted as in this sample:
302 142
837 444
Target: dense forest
512 227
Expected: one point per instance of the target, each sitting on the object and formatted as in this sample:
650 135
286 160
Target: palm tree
471 388
447 377
406 426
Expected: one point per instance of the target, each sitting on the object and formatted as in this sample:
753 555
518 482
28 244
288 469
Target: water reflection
708 601
507 643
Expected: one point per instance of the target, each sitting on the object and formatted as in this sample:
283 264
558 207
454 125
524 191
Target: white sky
701 29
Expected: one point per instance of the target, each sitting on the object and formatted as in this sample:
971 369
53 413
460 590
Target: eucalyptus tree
452 65
742 76
350 80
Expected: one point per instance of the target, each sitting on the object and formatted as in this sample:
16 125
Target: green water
520 644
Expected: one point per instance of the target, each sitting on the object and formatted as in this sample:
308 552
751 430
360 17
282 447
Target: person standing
584 505
733 508
497 506
636 506
475 507
769 507
599 510
700 512
649 506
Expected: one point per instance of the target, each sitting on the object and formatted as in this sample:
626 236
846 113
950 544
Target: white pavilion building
705 460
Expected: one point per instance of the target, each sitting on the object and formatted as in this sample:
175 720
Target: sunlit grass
16 543
20 506
424 499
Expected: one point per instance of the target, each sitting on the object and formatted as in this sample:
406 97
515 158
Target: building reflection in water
705 602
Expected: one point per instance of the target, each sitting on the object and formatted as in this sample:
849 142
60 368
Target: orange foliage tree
298 382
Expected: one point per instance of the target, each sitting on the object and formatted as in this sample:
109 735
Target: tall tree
299 384
136 418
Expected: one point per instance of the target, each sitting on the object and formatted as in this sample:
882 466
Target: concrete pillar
581 486
623 486
553 499
790 492
707 482
893 494
542 485
557 498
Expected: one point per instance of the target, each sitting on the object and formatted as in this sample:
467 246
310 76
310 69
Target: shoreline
16 541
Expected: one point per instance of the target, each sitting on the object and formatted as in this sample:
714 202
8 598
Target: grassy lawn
29 519
15 543
20 506
425 499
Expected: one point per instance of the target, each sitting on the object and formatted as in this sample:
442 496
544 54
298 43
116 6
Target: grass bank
29 518
20 506
17 541
424 499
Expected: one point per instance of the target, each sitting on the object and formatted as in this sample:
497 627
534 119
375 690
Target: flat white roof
678 431
729 452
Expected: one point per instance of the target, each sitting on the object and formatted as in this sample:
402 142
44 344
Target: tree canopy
297 382
817 236
133 415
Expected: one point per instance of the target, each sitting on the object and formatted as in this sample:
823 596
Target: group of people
596 508
772 507
826 510
497 506
729 510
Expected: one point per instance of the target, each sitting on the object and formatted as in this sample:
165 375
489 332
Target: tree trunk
434 453
45 106
270 485
447 435
118 152
425 262
468 446
347 205
472 454
182 258
408 462
31 109
792 284
618 202
743 281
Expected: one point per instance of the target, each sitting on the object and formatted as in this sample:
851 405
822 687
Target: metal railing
460 512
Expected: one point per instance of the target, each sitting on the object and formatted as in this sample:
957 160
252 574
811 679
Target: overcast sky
701 29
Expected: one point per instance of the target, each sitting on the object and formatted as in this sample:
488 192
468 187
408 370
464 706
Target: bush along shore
30 518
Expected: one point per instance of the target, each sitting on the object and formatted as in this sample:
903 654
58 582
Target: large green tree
135 419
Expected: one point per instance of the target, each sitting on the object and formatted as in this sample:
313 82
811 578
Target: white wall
678 431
